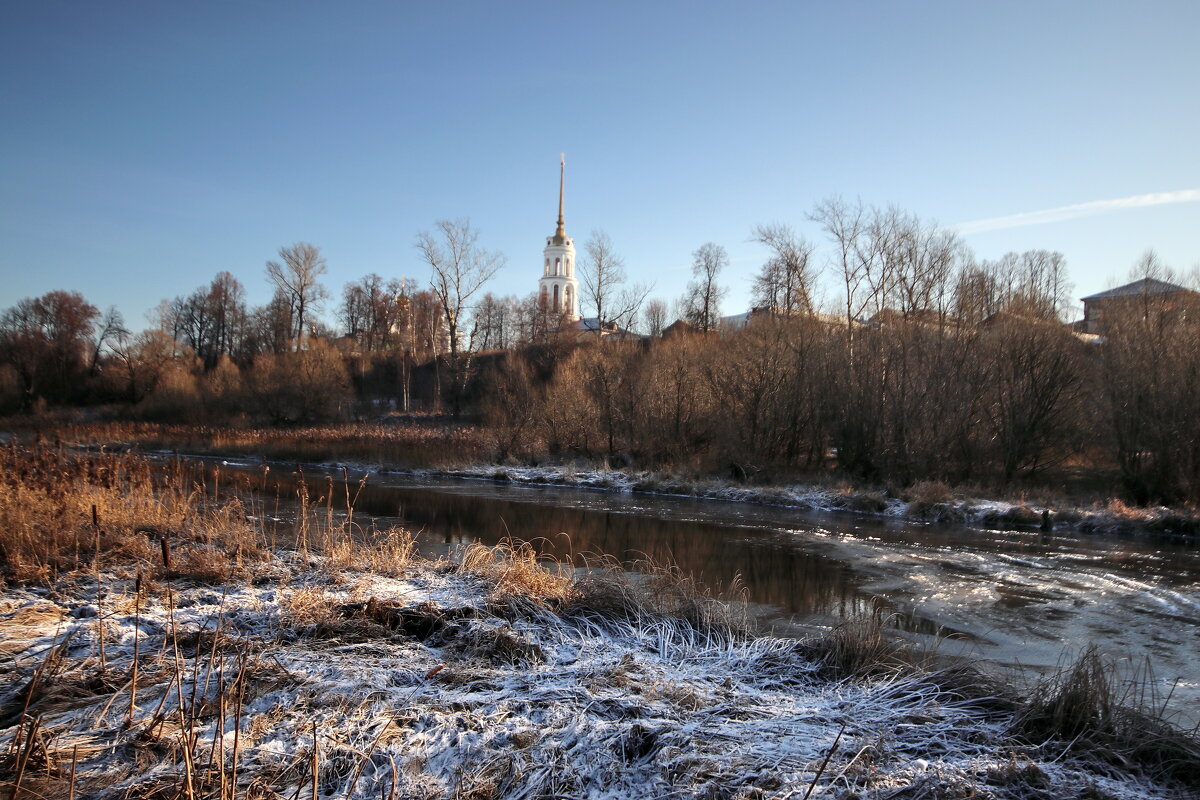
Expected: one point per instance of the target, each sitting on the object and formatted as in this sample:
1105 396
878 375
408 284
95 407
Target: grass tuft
1115 717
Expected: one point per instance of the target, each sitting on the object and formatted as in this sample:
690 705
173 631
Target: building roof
1138 287
736 321
592 325
925 317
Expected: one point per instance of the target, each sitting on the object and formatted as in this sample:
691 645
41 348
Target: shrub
311 385
175 398
924 496
10 390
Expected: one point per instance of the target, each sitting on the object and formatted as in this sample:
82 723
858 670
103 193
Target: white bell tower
558 289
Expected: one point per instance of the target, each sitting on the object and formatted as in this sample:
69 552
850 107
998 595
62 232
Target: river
1012 598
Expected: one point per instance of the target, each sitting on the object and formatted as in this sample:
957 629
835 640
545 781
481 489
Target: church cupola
558 289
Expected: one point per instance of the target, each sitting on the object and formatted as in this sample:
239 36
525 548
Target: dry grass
47 531
391 552
61 512
517 569
646 588
924 496
1116 717
411 444
1089 707
859 648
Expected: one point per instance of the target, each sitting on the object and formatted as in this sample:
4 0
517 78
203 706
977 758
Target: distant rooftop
1143 286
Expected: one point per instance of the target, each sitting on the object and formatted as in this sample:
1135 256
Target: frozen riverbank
488 677
925 502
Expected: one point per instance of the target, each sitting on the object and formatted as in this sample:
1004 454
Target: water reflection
719 557
1018 595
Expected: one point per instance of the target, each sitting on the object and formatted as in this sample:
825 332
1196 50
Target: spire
560 232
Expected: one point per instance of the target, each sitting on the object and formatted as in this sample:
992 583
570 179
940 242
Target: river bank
439 447
156 644
493 677
926 502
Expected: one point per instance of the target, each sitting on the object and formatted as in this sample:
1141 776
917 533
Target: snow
500 699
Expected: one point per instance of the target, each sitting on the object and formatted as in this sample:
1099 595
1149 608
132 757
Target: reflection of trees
717 556
788 578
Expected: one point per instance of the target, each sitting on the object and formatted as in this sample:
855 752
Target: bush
175 398
924 496
223 390
10 390
311 385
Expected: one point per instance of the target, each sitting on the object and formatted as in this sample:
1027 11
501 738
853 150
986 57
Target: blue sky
147 146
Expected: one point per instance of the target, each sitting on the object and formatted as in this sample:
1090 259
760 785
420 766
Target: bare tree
603 273
702 302
111 329
370 311
227 305
495 323
460 269
654 317
295 277
785 283
142 360
1030 284
845 224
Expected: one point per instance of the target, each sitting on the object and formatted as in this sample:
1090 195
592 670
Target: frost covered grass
307 681
349 667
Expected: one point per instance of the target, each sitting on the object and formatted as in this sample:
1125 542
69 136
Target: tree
226 302
844 225
1030 284
269 327
460 268
212 321
370 311
142 360
47 341
604 287
785 283
295 277
654 317
1151 379
309 385
702 303
1036 377
111 329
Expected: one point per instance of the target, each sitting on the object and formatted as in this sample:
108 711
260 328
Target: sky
146 146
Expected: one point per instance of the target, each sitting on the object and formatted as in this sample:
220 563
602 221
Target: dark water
1010 597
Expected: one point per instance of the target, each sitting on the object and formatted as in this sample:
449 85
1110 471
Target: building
735 322
590 326
558 289
1167 296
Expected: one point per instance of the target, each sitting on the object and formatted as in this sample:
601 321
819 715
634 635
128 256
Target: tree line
925 363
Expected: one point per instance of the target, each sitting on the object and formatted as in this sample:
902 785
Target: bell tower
558 289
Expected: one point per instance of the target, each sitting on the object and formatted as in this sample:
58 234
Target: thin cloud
1076 211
